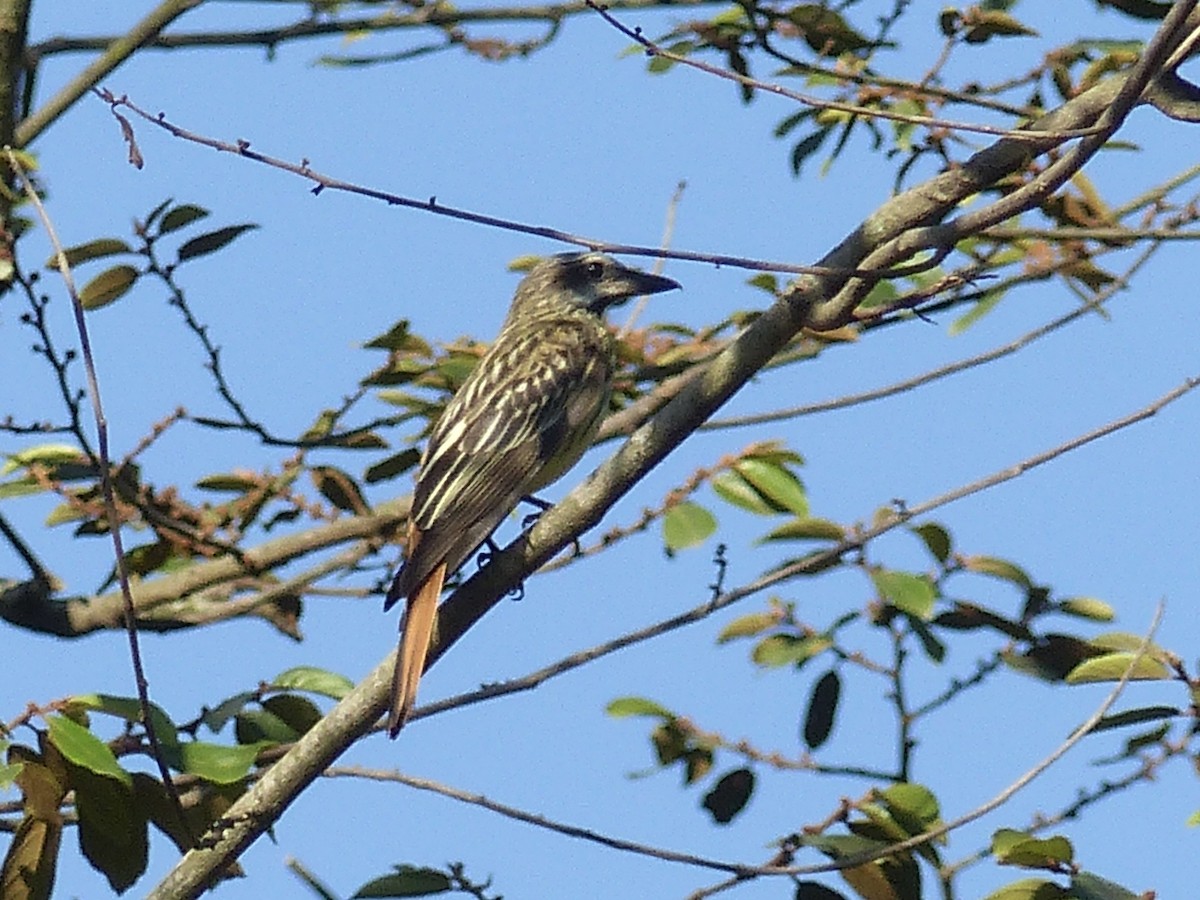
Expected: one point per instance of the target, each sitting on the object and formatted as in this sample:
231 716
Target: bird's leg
530 520
485 555
491 548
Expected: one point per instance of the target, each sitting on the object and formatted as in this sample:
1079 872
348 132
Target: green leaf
107 287
1030 889
315 681
260 726
32 858
765 281
747 626
408 881
1086 886
822 709
913 594
985 305
130 709
393 466
1088 608
1136 717
1112 666
1017 848
97 249
998 568
730 795
180 217
806 529
50 455
340 489
987 24
936 540
686 525
913 806
214 719
785 649
734 489
112 827
84 749
212 241
659 64
814 890
216 762
623 707
229 483
776 484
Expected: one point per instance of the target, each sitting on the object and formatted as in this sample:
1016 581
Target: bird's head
590 281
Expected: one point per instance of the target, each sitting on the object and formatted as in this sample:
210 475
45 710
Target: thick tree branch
817 301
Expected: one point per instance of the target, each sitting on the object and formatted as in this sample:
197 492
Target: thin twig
869 112
326 182
106 487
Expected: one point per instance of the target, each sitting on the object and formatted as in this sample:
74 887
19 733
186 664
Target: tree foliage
992 201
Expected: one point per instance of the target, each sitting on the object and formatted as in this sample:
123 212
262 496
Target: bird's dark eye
595 270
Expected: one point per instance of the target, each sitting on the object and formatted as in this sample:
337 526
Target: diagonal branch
822 302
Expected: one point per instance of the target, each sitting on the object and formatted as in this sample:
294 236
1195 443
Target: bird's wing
507 426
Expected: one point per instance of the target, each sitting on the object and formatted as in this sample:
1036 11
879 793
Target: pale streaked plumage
523 417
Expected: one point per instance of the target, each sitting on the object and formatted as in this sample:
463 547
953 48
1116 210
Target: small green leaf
936 540
659 64
315 681
806 529
785 649
998 568
96 249
734 489
1088 608
985 305
822 709
1112 666
51 455
180 217
408 881
1136 717
686 525
987 24
298 713
913 806
214 719
112 827
765 281
814 890
216 762
730 795
130 709
212 241
623 707
913 594
107 287
1016 848
339 489
1030 889
393 466
747 626
81 747
776 484
1086 886
229 483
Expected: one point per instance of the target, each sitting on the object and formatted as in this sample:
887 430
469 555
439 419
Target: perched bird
524 416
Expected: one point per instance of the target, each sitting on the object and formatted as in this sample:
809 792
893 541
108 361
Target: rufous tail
416 635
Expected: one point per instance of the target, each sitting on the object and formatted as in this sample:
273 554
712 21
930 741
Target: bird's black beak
648 283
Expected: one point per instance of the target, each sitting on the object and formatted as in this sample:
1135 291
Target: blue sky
581 139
